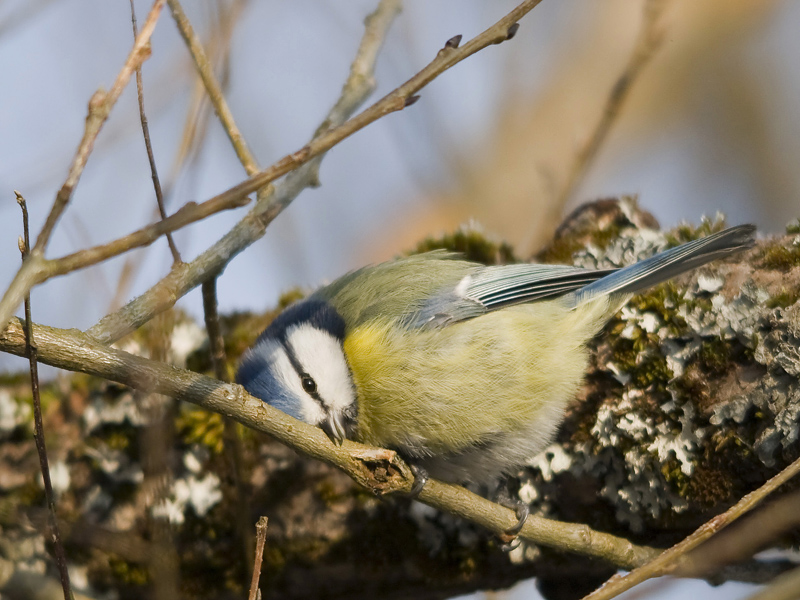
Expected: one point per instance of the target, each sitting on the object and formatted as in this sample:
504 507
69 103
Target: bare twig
41 269
186 215
376 469
38 426
739 543
671 561
397 100
195 128
176 257
213 88
261 538
100 107
180 281
645 47
233 446
215 341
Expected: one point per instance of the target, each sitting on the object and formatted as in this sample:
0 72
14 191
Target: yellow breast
443 390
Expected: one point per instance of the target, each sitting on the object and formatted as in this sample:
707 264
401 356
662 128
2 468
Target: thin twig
38 431
671 560
252 227
400 98
195 128
233 442
186 215
645 47
100 107
377 469
41 269
739 543
213 88
176 257
261 539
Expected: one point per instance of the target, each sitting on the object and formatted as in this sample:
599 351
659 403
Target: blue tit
463 369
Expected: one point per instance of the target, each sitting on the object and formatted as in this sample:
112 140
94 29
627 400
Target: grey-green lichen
693 383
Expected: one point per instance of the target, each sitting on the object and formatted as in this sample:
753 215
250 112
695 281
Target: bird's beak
333 426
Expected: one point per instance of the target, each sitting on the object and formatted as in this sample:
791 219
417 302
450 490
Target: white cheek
285 374
321 355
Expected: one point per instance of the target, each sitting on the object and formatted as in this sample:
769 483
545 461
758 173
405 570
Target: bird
464 369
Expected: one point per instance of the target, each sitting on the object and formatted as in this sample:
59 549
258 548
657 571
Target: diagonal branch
359 85
671 560
379 470
41 269
177 283
213 88
100 107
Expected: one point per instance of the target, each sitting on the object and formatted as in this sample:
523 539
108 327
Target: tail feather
667 264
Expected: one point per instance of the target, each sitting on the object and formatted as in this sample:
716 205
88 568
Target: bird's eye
309 385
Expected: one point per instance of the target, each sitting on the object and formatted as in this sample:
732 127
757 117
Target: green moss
663 300
783 298
675 477
642 361
714 356
686 233
474 245
561 251
128 573
780 258
198 426
15 379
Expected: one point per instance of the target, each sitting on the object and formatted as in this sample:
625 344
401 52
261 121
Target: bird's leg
522 510
420 479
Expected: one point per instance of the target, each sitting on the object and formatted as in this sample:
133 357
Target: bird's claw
523 511
420 479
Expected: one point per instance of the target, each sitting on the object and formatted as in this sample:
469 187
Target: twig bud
512 31
410 100
453 42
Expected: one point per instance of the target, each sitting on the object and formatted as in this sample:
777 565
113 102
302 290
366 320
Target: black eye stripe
311 389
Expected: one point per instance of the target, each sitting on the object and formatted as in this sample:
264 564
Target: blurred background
711 124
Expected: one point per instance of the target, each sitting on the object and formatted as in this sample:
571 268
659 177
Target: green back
394 288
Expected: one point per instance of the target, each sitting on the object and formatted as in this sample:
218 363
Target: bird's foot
523 511
503 497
